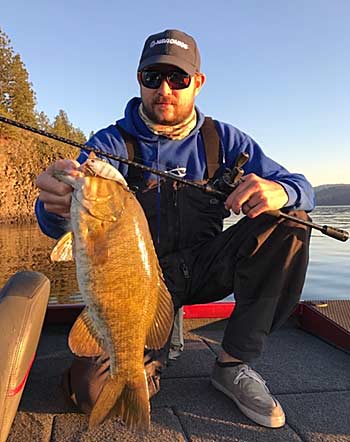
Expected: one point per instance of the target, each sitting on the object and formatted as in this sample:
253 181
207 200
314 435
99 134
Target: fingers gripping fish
127 303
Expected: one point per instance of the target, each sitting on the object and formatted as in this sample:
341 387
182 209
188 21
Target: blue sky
277 69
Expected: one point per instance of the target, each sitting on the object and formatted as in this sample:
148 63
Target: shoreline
31 219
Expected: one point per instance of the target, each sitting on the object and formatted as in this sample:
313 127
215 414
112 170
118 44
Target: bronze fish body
128 305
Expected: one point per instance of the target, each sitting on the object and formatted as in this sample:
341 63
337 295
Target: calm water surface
328 276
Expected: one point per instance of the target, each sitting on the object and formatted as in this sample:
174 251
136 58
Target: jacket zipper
177 226
184 269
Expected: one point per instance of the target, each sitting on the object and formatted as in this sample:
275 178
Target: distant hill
333 195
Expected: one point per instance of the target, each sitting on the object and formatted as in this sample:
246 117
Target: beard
172 116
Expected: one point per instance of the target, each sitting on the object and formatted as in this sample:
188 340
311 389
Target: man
262 259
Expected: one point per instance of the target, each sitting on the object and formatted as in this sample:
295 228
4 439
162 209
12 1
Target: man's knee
84 380
301 231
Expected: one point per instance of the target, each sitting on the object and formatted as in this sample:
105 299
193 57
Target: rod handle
333 232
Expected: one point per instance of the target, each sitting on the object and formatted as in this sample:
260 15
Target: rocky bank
21 160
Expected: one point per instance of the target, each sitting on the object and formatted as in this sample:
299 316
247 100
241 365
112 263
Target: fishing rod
220 188
164 174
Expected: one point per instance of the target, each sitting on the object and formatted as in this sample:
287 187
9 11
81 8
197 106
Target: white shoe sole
265 421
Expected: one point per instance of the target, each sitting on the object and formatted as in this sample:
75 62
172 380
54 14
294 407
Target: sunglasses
175 79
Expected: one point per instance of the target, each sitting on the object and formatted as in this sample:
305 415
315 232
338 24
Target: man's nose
164 88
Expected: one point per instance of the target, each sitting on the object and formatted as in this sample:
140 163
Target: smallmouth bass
127 303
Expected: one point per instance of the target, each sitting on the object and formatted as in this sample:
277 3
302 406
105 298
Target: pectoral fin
161 327
63 250
84 339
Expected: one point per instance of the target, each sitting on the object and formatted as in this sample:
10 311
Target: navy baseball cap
171 47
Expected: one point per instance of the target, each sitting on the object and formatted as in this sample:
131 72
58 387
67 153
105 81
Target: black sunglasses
175 79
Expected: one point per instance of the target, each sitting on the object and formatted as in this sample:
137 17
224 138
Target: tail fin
106 401
133 404
129 401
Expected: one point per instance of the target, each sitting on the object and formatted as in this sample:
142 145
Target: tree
21 93
17 97
5 68
64 128
78 136
43 122
61 125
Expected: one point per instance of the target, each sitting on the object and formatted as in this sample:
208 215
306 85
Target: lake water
328 276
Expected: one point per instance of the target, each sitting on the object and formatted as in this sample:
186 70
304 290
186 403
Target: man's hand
56 195
255 195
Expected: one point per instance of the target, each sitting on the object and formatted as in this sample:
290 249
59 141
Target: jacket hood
133 124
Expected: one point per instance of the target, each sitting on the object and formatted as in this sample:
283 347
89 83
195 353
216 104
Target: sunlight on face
170 106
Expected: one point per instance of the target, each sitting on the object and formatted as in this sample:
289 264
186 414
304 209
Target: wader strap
129 141
134 174
211 143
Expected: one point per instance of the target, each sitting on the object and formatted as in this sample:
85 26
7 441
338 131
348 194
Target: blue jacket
164 154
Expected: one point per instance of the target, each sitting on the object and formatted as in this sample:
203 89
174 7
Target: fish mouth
68 177
89 170
61 175
96 213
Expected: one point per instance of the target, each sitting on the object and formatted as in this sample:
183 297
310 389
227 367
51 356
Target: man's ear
199 80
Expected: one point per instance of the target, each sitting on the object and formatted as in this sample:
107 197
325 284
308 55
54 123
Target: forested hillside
24 155
333 195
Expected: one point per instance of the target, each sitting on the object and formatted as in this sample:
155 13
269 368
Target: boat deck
309 377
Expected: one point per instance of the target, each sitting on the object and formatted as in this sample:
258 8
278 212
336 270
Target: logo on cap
171 41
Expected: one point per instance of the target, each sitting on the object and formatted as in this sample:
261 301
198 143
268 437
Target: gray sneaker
249 392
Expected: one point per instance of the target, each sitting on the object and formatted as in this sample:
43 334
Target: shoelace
247 372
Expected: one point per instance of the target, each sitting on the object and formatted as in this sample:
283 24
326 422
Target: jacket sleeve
300 192
50 224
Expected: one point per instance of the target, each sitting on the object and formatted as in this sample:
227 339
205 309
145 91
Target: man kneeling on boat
262 259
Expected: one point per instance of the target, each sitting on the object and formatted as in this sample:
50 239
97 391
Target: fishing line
333 232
